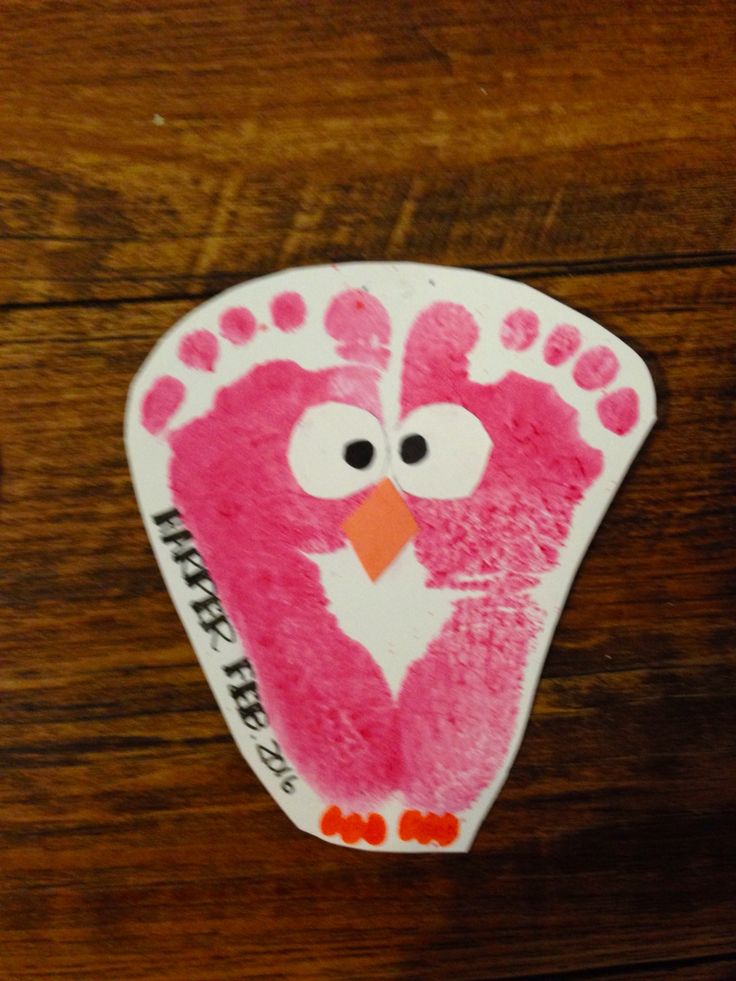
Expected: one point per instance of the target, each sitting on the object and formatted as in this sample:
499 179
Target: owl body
383 521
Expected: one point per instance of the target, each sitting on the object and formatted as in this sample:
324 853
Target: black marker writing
210 614
245 694
276 763
212 619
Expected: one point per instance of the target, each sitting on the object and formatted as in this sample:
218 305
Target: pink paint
477 664
199 350
595 368
519 330
160 403
503 537
561 344
253 525
360 323
450 730
619 411
237 325
288 311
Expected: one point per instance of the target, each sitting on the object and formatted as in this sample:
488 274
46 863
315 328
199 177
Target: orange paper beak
379 528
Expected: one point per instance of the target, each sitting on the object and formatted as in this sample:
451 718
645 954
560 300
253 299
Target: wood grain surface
151 155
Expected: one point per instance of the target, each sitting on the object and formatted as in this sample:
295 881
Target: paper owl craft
368 487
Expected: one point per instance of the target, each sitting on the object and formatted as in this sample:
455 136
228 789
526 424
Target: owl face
389 474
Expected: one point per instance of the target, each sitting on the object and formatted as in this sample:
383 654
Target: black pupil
359 454
414 448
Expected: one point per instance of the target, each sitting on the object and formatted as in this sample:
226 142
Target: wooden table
152 154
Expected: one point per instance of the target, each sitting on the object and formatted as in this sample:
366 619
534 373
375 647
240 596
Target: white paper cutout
322 674
316 450
456 449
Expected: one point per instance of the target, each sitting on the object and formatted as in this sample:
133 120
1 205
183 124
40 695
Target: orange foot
442 828
352 827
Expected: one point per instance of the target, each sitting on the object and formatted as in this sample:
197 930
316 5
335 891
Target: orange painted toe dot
424 828
353 827
375 830
446 830
409 825
331 821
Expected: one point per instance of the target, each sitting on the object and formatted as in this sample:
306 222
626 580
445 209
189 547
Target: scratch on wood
396 240
212 242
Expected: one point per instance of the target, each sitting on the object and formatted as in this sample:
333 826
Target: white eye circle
336 450
441 452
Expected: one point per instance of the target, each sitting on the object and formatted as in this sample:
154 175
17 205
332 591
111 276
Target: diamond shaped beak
379 528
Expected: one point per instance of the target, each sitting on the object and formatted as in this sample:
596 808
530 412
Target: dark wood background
152 154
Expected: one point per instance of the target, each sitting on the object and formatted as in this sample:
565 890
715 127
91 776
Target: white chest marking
394 618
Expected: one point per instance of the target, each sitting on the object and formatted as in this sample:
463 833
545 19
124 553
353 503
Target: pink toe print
619 411
161 402
561 344
237 325
519 330
199 350
596 368
359 322
288 311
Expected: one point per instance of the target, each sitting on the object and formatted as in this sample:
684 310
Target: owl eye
413 448
359 453
336 450
443 452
